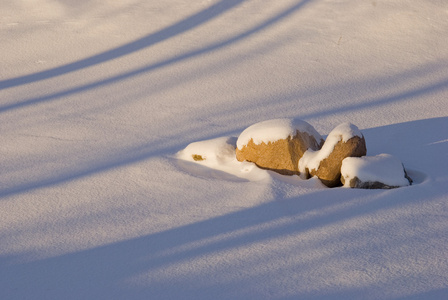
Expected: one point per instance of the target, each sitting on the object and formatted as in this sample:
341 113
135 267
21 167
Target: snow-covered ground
97 98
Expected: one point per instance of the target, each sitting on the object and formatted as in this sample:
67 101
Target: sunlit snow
103 105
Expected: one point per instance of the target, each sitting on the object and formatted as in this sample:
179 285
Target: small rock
344 141
383 171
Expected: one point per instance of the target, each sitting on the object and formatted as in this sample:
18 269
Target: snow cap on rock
380 171
274 130
343 132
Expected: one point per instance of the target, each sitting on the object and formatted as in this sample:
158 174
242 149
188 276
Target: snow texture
97 97
270 131
384 168
343 132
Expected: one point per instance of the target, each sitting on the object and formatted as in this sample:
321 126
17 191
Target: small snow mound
274 130
343 132
211 152
382 168
219 154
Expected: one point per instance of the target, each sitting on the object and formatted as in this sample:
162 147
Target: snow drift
97 97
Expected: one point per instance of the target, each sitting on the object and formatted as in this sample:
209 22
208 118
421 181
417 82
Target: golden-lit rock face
281 156
329 170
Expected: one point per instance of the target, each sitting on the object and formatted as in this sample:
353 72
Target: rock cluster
293 147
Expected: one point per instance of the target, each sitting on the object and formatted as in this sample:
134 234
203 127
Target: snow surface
384 168
343 132
97 97
270 131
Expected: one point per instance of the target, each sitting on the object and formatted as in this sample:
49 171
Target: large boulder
344 141
383 171
277 144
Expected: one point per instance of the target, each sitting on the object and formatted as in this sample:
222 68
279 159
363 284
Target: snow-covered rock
343 141
277 144
382 171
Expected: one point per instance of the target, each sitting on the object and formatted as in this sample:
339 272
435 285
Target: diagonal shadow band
148 68
248 228
109 163
147 41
